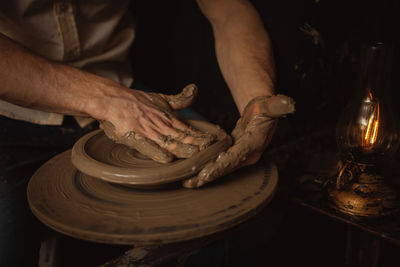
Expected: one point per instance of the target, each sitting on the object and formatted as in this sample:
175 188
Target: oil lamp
367 137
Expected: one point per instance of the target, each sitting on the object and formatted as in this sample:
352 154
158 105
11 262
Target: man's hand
251 136
147 122
144 121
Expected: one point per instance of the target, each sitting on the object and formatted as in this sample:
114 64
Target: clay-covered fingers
147 122
174 129
272 106
140 143
225 163
246 150
252 134
184 145
176 137
160 140
176 147
160 147
184 99
279 105
190 135
147 147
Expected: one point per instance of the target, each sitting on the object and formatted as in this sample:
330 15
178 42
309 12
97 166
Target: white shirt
93 35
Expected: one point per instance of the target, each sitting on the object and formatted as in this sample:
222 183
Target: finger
263 108
179 149
280 105
181 144
247 150
159 101
135 141
202 139
169 125
184 99
226 163
202 142
260 126
274 107
184 136
238 130
146 147
166 142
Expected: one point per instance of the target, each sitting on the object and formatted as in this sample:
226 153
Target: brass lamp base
369 196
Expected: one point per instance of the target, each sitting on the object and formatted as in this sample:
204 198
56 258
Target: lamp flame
371 133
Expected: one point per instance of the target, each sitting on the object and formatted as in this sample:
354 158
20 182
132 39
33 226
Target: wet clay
98 156
89 208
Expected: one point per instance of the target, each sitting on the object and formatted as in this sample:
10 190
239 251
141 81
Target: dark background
174 47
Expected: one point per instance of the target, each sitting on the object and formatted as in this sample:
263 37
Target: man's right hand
144 121
148 123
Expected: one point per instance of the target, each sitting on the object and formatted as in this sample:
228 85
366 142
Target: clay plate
92 209
97 156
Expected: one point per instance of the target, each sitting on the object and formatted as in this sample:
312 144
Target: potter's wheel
89 208
97 156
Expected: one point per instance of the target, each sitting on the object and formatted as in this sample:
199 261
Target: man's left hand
252 134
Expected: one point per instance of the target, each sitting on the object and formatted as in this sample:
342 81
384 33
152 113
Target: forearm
243 48
31 81
143 121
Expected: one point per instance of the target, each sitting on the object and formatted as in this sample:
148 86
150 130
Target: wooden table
306 165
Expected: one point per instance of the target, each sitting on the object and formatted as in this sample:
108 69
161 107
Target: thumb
184 99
